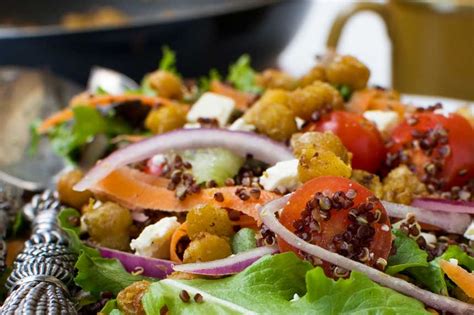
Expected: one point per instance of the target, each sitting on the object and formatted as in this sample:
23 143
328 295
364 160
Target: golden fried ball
210 219
305 101
276 79
349 71
166 84
67 194
402 186
129 300
326 141
165 118
314 164
207 247
370 181
317 73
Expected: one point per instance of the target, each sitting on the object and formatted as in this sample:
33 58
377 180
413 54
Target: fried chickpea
109 225
349 71
275 79
129 300
207 247
314 164
317 73
271 116
402 186
326 141
166 84
67 194
369 180
165 118
209 219
305 101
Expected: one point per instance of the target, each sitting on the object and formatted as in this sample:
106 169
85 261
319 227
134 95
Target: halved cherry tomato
358 135
356 224
440 149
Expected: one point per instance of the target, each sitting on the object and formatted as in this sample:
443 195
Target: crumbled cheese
453 261
295 298
154 240
469 234
282 174
241 125
212 105
299 123
384 120
429 238
158 159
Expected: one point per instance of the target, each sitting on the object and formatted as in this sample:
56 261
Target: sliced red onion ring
227 266
267 214
150 267
436 204
261 147
451 222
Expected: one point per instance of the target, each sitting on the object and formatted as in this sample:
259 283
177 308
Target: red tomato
440 149
358 135
355 225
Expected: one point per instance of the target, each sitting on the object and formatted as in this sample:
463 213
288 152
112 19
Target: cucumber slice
213 164
243 241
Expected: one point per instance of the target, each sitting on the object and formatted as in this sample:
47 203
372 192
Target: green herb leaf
242 76
64 221
96 274
101 91
204 82
454 251
431 277
109 306
408 254
168 60
345 91
270 286
67 139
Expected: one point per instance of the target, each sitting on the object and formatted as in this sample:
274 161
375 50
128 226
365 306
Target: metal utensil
111 81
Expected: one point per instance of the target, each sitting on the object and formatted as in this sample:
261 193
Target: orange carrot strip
462 278
178 234
55 119
242 100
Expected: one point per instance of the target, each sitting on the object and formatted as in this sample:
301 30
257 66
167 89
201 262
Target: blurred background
421 47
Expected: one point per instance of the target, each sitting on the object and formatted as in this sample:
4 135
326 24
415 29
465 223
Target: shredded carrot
101 100
178 234
462 278
242 100
135 190
375 99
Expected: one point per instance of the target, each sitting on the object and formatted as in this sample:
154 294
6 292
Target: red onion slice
447 205
451 222
147 266
227 266
261 147
267 214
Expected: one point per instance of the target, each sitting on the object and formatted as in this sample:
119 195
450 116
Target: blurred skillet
205 34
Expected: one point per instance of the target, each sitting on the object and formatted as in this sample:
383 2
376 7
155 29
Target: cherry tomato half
440 149
342 216
358 135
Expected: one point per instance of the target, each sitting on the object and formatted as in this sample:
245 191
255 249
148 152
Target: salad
261 193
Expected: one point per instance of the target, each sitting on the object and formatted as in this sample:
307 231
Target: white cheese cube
154 240
383 120
212 105
282 174
469 234
429 238
241 125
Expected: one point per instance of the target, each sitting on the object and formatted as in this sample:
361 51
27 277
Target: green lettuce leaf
168 60
96 274
408 254
242 76
456 252
109 306
273 285
77 246
66 140
204 82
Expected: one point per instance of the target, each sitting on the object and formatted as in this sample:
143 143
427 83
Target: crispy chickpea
67 194
401 186
207 247
314 164
166 84
209 219
370 181
275 79
319 141
109 225
165 118
305 101
271 116
349 71
317 73
129 300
